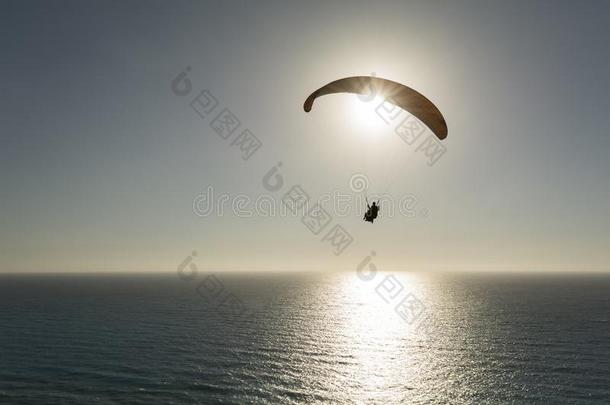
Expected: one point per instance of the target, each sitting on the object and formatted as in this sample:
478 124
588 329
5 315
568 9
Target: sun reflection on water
374 334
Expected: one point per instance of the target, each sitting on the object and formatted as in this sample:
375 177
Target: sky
102 162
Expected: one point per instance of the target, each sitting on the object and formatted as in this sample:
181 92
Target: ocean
332 338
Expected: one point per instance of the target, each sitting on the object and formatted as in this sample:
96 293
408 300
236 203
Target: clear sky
101 161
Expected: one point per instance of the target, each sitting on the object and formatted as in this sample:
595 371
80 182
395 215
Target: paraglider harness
371 212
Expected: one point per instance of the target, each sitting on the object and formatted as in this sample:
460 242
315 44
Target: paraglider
395 93
371 212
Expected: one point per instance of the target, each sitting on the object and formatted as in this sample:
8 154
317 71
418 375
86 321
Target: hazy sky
101 161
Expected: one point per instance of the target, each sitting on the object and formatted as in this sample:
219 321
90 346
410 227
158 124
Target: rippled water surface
319 338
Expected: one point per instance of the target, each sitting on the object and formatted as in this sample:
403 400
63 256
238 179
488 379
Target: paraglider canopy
395 93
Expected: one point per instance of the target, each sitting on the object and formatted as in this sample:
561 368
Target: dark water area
304 338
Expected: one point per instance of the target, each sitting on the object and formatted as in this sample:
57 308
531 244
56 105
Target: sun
366 115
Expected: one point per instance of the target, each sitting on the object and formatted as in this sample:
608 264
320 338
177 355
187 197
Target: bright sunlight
364 117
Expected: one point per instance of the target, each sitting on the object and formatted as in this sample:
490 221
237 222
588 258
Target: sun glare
363 116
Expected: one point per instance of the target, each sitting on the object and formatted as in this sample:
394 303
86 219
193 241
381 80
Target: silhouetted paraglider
371 212
395 93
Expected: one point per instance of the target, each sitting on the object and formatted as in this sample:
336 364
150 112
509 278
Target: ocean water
336 338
